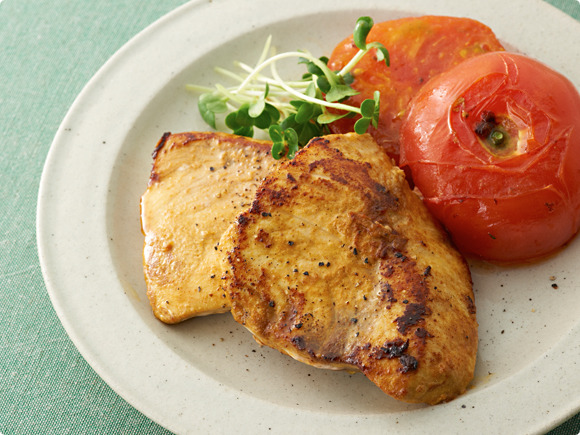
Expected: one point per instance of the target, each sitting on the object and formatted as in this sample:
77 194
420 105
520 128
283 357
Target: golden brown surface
339 265
199 183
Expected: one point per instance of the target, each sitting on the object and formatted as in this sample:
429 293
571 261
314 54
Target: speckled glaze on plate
208 374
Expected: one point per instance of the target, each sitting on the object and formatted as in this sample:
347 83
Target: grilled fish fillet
199 183
339 265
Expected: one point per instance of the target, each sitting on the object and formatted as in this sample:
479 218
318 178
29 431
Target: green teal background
48 51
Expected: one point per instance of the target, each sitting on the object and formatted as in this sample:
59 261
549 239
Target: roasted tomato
494 147
419 48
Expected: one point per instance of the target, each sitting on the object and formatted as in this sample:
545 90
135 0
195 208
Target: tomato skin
419 48
510 203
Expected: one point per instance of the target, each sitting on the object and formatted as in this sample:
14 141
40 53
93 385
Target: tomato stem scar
491 131
497 137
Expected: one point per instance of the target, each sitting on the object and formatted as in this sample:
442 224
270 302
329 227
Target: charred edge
384 200
415 283
387 292
350 171
276 197
160 144
256 208
318 140
412 316
391 349
243 220
264 237
422 334
235 282
408 363
387 271
190 138
328 166
154 177
392 242
354 357
470 305
330 357
397 349
299 342
243 141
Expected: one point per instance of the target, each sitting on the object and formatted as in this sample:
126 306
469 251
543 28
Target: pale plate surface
208 374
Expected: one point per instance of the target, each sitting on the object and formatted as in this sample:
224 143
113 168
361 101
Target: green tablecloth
48 51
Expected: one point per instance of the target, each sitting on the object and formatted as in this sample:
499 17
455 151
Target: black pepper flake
364 297
427 271
354 320
400 256
366 261
212 276
298 325
321 263
405 301
290 242
266 214
328 264
554 286
295 270
354 251
305 273
211 168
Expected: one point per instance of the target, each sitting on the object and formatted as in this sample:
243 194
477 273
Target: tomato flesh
513 200
419 49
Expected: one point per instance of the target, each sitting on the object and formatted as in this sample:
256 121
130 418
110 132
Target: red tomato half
419 48
494 146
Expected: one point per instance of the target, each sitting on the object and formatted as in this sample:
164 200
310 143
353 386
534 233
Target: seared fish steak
339 265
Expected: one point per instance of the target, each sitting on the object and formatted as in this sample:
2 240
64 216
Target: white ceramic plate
208 374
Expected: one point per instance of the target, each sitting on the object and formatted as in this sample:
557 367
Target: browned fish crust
338 264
